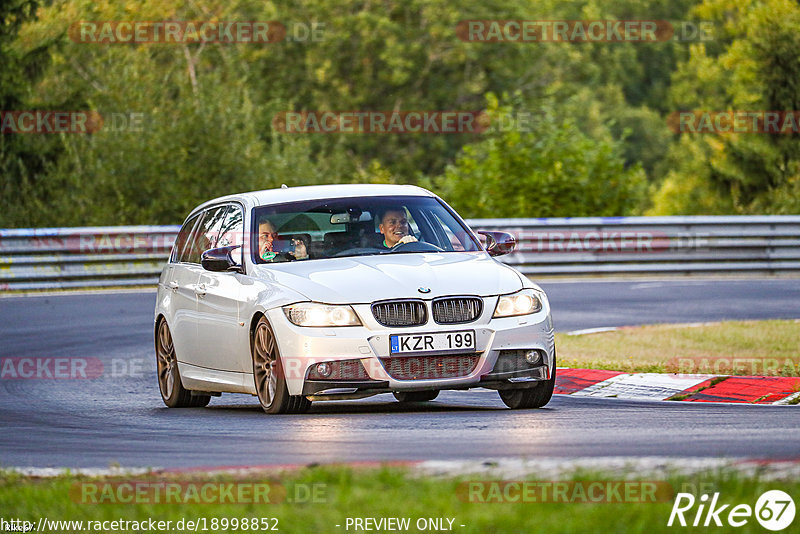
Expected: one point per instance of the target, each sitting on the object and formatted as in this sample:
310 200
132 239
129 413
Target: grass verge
391 492
765 348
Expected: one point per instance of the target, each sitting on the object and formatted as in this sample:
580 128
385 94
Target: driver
266 236
394 227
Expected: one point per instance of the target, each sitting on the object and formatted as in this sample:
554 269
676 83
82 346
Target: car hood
364 279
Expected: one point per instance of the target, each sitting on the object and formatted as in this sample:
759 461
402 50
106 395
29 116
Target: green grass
388 492
768 348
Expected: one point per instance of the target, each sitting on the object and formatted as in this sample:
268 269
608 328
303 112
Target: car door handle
200 290
173 285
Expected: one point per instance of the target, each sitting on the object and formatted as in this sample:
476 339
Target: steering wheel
415 246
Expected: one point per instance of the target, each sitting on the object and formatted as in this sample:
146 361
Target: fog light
324 369
532 357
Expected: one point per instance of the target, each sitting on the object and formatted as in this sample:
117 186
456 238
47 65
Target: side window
205 236
453 242
232 230
178 249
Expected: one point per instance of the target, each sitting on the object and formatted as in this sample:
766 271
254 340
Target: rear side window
182 240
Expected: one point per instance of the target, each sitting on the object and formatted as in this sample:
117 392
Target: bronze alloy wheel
173 393
265 357
167 363
270 382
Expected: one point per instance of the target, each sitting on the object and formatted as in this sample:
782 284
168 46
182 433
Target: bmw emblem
424 290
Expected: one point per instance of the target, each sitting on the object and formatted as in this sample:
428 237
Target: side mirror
499 243
219 260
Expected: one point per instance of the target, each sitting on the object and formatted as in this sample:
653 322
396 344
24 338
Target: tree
553 171
198 132
754 67
22 159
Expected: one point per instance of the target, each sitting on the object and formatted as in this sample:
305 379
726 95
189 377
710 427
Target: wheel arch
252 329
160 317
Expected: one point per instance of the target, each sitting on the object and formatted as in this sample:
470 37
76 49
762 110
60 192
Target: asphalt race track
119 417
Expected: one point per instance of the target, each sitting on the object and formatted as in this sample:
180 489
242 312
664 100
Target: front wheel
269 376
534 397
173 393
415 396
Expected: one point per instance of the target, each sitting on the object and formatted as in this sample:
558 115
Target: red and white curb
679 387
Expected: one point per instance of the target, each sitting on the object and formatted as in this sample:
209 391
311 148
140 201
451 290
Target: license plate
462 341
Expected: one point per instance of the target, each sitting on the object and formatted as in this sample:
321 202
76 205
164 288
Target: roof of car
311 192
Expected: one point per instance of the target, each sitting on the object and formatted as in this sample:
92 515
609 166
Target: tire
534 397
270 381
415 396
172 391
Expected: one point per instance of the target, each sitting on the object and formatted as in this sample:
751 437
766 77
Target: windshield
360 226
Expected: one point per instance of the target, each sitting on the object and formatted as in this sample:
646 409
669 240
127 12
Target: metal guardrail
652 245
58 258
61 258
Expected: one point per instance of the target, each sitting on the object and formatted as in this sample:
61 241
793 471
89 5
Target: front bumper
303 347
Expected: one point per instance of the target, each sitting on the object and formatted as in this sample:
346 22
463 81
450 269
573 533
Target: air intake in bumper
430 367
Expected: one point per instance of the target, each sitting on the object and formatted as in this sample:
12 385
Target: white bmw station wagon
342 292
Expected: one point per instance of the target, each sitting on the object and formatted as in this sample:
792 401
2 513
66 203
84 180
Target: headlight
313 314
521 303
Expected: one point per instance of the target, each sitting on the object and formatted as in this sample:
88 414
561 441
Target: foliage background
599 144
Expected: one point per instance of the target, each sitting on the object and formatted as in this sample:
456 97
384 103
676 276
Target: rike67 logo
774 510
